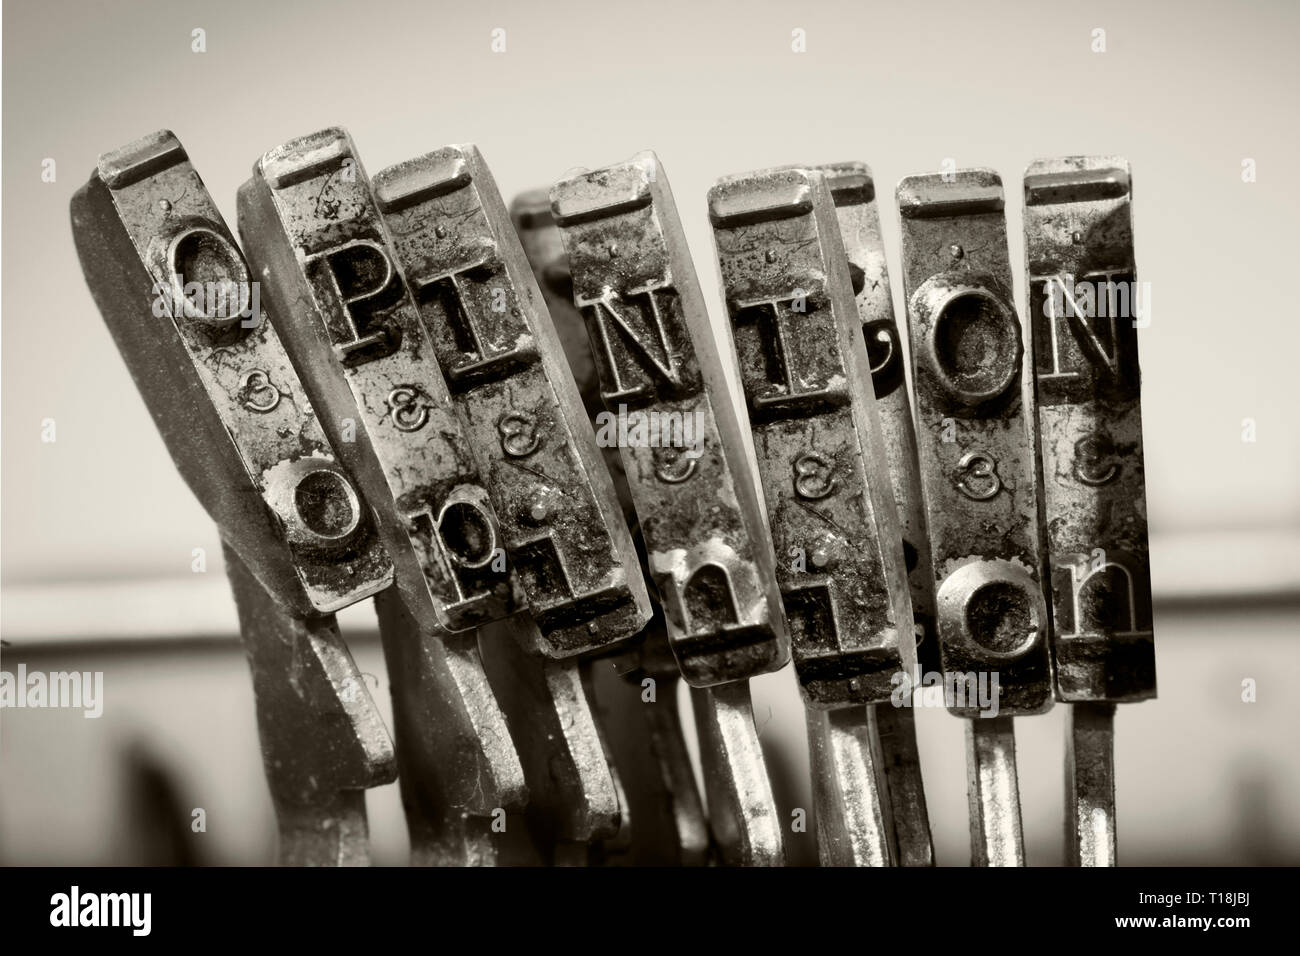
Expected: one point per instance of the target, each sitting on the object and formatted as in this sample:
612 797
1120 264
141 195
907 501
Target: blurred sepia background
98 529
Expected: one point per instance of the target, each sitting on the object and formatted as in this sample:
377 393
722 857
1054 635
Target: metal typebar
817 439
1085 308
186 314
355 335
854 192
323 742
708 548
562 525
974 422
636 690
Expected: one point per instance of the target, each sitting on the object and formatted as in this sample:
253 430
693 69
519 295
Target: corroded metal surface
974 417
323 742
298 539
502 358
708 549
354 333
1085 308
663 816
854 192
220 388
807 381
821 458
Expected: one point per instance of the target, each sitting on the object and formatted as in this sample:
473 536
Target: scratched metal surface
816 434
709 551
974 420
525 422
222 393
316 239
1079 252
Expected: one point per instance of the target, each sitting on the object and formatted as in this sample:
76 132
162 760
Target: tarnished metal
709 551
541 242
1090 784
573 796
853 809
561 524
323 741
297 536
992 790
460 774
708 548
742 811
808 387
854 192
502 358
817 439
355 335
216 379
663 822
975 443
1085 308
662 809
974 415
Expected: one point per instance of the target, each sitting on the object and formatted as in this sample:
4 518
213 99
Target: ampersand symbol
812 476
519 436
979 479
257 393
409 414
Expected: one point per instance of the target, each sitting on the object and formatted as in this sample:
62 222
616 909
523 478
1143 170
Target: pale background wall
1184 90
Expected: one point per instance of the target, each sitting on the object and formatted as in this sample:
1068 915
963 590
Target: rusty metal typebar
974 418
854 192
355 335
525 413
637 701
708 549
185 312
563 528
1085 309
817 438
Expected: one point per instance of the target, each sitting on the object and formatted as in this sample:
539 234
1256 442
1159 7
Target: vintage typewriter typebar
662 814
807 383
323 741
309 221
1085 310
708 549
185 311
854 192
562 524
974 417
355 335
505 367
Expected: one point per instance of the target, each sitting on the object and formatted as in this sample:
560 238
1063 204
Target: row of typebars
501 423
